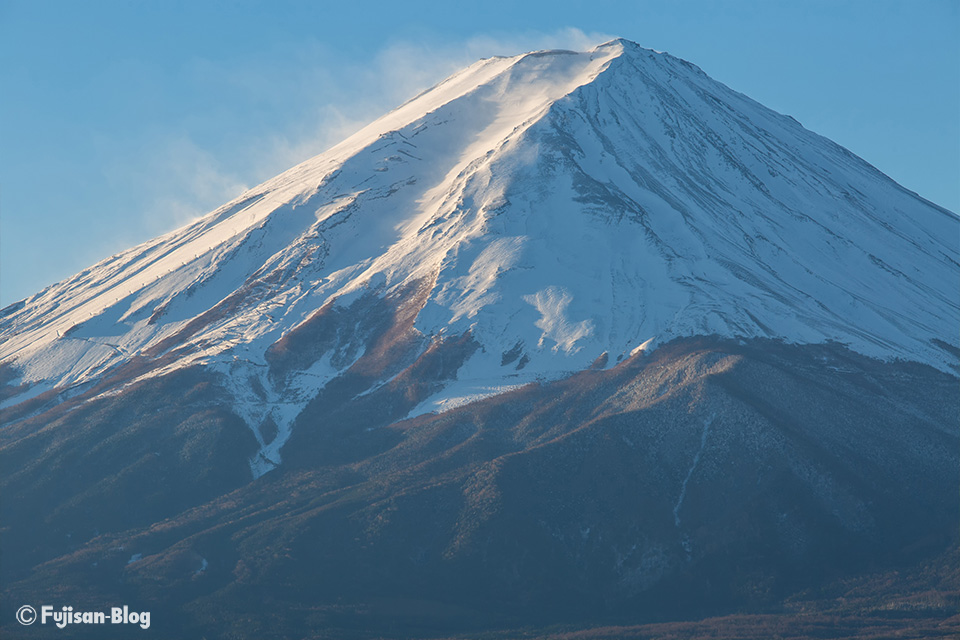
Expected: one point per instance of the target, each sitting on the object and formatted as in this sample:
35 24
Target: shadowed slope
707 477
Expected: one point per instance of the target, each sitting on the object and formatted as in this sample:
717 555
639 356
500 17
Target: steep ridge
564 208
287 221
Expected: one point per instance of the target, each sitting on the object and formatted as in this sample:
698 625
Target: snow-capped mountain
569 339
560 210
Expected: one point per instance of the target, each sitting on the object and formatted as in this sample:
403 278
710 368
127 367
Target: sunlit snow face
562 206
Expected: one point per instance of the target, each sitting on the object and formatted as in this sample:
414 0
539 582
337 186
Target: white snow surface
566 205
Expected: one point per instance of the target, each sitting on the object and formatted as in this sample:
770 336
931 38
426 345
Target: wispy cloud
178 182
401 70
221 125
315 100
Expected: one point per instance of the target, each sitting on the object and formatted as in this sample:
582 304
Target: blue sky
123 120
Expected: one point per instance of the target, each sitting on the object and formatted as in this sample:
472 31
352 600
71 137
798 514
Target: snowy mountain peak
561 209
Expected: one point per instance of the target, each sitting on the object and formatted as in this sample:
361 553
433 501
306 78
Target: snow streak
696 460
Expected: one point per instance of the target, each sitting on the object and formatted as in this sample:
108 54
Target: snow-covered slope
561 205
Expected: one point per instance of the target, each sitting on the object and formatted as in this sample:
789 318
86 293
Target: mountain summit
563 209
568 336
